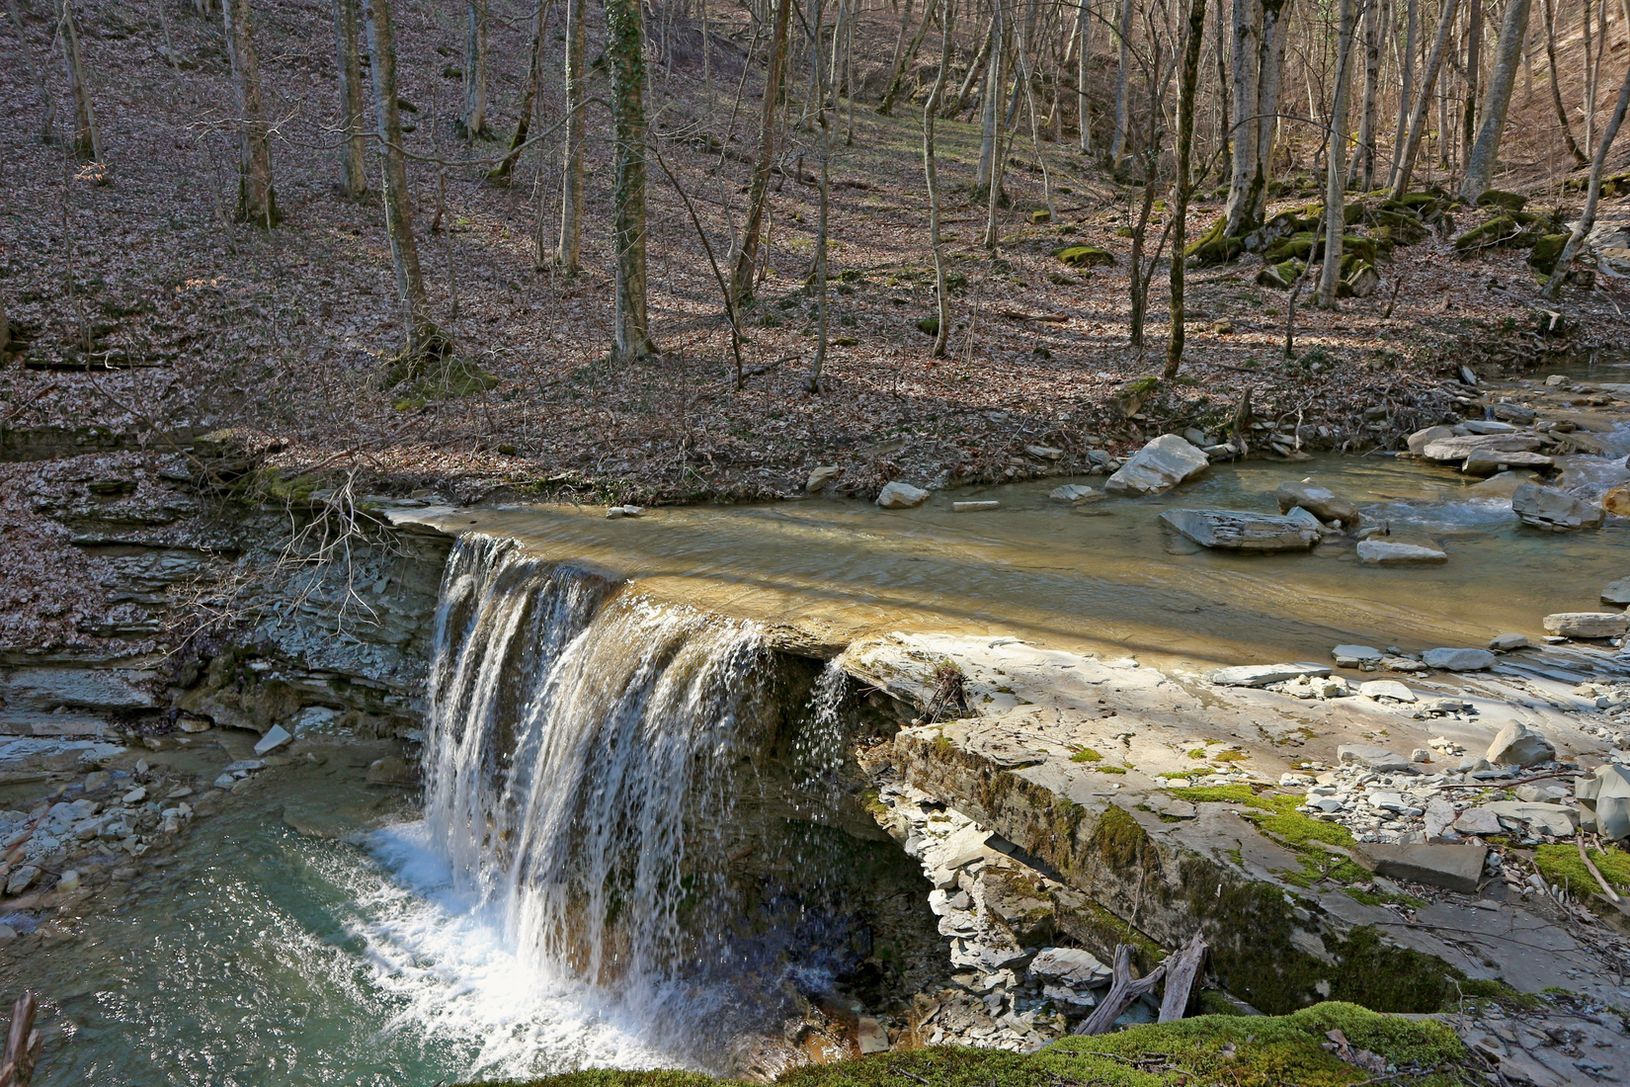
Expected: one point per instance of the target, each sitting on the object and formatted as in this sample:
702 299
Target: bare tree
625 47
257 202
1363 168
758 188
424 340
1502 77
1083 65
1188 83
1336 154
1556 86
353 98
824 143
569 248
1258 62
1593 191
1403 164
1123 85
473 120
529 95
942 330
903 62
87 140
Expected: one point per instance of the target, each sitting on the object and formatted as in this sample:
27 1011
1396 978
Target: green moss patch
1242 1051
1084 256
1561 867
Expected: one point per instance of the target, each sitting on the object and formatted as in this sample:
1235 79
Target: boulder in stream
1617 592
1235 530
901 496
1488 462
1378 551
1460 446
1074 494
1418 441
1321 502
1158 466
1552 509
1617 501
1587 624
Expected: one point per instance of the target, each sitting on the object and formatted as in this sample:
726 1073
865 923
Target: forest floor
147 317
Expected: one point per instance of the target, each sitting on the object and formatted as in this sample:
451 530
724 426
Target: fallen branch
1122 992
1612 895
22 1045
1182 971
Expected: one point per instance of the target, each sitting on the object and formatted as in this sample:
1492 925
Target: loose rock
1458 660
1158 466
1319 501
1553 510
1386 552
901 496
1519 745
1261 675
1074 494
1233 530
1589 625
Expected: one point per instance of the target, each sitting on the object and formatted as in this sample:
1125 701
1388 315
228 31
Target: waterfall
579 769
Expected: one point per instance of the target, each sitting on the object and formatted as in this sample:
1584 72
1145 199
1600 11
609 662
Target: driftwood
1180 971
22 1045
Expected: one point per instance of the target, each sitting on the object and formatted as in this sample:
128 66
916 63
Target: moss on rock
1084 256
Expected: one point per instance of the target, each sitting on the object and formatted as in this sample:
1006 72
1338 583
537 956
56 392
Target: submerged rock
1458 660
1158 466
1384 552
1319 501
1074 494
901 496
1588 624
1552 509
1234 530
1618 592
975 506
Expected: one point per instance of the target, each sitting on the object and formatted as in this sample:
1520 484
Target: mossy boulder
1499 231
1215 246
1084 256
1242 1051
1359 279
1547 249
1309 245
1282 274
1500 198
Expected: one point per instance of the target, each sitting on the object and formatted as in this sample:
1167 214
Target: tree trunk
824 142
990 106
1507 53
1123 86
1404 160
758 190
1180 204
898 76
1083 66
1474 76
1363 168
49 121
1406 84
1556 87
473 121
1593 191
1336 153
941 291
569 248
1259 63
87 140
353 98
529 95
625 34
257 203
422 335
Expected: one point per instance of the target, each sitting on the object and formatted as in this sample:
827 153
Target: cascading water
579 775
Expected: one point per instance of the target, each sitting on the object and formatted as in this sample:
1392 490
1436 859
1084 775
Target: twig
1612 895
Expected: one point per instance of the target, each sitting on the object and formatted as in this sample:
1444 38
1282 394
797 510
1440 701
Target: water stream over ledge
594 751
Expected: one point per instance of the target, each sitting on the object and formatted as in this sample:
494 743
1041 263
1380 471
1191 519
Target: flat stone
1553 510
1262 675
820 477
1418 441
1235 530
1458 660
1480 821
1505 643
1070 966
975 507
1618 592
1518 745
1387 800
1386 690
1376 758
1158 466
1591 625
1454 867
1556 820
901 496
1044 452
1321 502
275 737
617 513
1488 462
1074 494
1461 446
1376 551
1356 656
1487 426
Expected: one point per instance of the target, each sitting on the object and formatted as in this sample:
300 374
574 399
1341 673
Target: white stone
820 477
1553 510
1234 530
975 507
1518 745
1158 466
901 496
1074 494
1386 690
1458 660
275 737
1356 656
1377 551
1505 643
1262 675
1070 966
1590 625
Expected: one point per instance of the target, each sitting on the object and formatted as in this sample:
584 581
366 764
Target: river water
258 956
